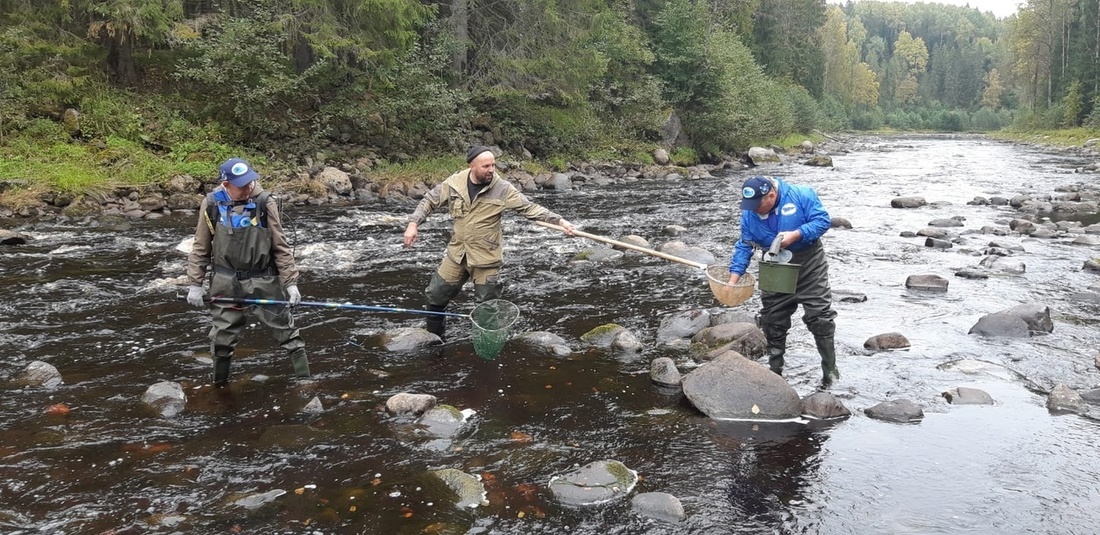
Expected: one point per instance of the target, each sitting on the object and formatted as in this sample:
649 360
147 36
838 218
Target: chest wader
243 266
815 296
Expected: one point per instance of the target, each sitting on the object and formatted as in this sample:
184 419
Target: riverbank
369 179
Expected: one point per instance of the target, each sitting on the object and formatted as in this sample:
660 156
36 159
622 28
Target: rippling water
100 304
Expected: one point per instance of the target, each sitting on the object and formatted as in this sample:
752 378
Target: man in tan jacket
476 198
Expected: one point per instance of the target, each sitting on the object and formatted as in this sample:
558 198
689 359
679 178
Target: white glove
293 296
195 296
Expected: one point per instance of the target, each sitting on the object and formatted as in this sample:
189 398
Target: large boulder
734 387
761 155
744 338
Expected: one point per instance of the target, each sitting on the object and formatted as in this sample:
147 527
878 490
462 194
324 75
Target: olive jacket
478 235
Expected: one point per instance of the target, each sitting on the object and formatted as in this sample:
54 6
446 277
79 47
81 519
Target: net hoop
726 293
492 321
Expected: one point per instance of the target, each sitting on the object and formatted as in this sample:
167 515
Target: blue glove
293 295
195 296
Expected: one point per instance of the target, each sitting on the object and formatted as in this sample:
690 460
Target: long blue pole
348 306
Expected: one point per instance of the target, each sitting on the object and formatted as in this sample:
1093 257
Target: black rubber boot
300 362
827 348
221 370
775 360
487 291
436 324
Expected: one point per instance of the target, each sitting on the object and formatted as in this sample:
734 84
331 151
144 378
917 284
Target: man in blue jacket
770 208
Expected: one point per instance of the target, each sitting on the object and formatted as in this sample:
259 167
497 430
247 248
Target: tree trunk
460 20
120 56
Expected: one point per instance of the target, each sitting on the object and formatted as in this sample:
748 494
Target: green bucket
778 278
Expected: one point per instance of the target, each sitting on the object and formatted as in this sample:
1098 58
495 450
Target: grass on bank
1064 137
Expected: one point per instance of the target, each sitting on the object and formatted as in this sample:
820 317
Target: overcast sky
1000 8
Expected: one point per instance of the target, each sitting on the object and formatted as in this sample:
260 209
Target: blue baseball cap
753 191
236 171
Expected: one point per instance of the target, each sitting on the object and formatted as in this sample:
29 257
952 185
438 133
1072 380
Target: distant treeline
544 77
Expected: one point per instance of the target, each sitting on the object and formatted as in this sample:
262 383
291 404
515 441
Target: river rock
896 410
659 506
819 160
848 296
660 157
840 222
547 342
1002 264
632 239
469 489
405 403
1064 399
687 252
598 254
908 202
1092 265
886 341
10 237
314 406
673 230
928 283
761 155
930 232
627 341
824 406
734 387
725 316
1001 324
937 244
39 374
443 420
684 324
256 500
744 338
978 201
970 273
335 181
558 182
663 371
594 483
165 398
408 339
604 335
1087 240
1037 316
946 222
962 395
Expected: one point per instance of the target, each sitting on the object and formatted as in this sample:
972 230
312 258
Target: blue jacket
797 207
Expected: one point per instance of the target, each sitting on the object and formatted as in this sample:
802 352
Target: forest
135 91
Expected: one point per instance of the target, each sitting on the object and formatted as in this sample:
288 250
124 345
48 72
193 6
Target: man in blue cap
240 236
772 208
476 198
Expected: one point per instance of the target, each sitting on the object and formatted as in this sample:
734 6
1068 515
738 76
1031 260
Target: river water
99 302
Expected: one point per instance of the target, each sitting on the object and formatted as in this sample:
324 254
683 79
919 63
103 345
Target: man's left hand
566 226
293 296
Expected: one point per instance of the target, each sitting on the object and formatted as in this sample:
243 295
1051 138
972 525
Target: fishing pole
347 306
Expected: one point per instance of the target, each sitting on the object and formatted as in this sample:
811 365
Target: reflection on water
101 306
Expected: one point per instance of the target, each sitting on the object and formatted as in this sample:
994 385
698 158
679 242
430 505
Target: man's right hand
733 279
411 234
195 296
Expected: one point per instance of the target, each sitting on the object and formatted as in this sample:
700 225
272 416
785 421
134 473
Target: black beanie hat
475 151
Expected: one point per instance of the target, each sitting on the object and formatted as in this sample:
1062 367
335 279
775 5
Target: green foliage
1074 105
684 156
806 113
542 128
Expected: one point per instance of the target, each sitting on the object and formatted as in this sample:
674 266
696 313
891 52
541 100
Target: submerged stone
594 483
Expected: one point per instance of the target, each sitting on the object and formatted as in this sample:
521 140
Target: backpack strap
261 207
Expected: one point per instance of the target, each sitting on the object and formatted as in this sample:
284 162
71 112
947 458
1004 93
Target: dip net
493 322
